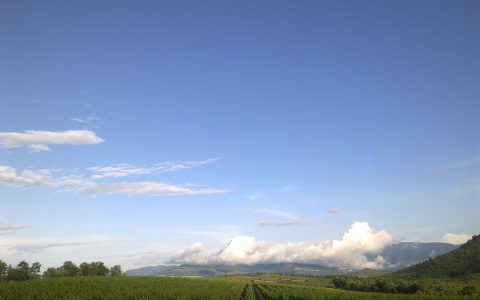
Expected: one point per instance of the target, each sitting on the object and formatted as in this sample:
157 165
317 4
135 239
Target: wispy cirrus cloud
38 141
81 184
334 210
39 244
256 196
469 162
147 189
469 187
89 121
288 219
272 223
122 170
7 227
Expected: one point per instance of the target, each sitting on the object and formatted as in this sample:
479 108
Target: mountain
397 256
402 255
224 269
462 261
152 270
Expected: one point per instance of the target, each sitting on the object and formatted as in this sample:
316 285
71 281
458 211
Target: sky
149 132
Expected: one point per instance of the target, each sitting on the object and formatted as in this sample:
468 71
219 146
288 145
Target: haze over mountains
394 257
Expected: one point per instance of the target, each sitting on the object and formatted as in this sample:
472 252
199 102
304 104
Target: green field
244 288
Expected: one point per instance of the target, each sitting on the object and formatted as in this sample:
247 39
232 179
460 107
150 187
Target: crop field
122 288
269 290
183 288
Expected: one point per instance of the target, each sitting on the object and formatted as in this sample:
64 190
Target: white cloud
349 252
39 140
76 183
122 170
455 239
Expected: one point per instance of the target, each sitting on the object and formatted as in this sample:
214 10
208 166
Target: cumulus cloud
455 239
348 252
40 140
122 170
76 183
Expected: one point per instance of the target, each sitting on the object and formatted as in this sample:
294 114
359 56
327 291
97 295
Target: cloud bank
40 140
349 252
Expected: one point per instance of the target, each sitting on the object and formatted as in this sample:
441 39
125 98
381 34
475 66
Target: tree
99 268
116 270
20 273
3 271
86 269
51 272
35 269
70 269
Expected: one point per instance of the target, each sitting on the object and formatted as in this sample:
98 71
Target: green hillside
462 261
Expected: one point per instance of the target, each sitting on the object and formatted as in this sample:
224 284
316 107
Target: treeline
69 269
393 286
401 286
24 271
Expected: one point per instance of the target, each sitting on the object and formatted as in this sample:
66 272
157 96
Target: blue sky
278 120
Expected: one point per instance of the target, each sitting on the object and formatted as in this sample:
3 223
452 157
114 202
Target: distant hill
224 269
397 256
402 255
369 273
462 261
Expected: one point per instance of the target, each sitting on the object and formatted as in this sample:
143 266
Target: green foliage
380 285
22 272
69 269
459 262
3 271
116 270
